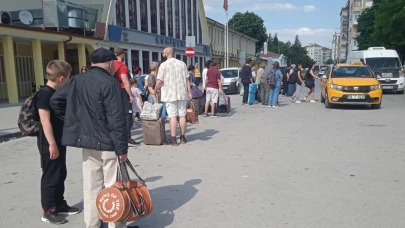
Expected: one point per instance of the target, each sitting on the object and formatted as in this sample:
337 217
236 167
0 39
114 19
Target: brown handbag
126 200
192 114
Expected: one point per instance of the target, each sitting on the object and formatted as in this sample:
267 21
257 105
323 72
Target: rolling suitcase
154 132
224 104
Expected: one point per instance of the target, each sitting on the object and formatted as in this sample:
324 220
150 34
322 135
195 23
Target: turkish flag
226 5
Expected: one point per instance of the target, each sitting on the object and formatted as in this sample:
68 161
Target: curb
10 136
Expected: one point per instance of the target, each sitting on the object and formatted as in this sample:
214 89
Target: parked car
230 82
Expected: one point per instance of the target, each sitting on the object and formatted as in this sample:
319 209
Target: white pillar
138 15
174 19
187 2
192 19
141 60
150 57
149 16
129 57
126 13
167 16
180 22
158 16
197 30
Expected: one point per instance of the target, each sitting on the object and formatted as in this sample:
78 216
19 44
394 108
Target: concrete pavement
299 166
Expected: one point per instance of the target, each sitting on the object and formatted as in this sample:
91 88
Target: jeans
296 96
291 89
163 112
245 93
258 94
265 91
128 110
274 91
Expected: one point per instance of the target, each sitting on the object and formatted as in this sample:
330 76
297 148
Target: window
177 18
189 32
135 57
162 17
195 18
376 63
185 59
155 56
133 19
144 15
170 17
120 12
351 72
183 19
145 59
153 12
178 57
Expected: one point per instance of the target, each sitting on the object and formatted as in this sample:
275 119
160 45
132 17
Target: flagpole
227 40
225 47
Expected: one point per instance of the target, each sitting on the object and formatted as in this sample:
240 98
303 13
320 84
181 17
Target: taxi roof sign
357 64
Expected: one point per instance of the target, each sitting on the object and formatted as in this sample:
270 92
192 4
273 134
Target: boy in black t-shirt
51 150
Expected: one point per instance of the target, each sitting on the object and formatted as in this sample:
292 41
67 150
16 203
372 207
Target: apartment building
318 53
335 47
326 54
343 45
356 7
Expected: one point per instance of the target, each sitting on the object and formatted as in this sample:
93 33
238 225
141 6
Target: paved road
298 166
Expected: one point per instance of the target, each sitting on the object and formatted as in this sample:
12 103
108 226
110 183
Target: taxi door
324 81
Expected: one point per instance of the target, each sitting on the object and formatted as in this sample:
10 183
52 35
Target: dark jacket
246 75
92 106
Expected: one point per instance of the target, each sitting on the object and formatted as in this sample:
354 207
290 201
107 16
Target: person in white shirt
207 65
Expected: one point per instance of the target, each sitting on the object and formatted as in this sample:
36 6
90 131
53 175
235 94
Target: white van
386 65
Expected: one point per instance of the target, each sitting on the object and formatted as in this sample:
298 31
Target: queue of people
269 79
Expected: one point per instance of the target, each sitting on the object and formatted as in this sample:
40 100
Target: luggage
154 132
224 104
197 105
126 200
191 114
252 93
242 90
196 93
151 111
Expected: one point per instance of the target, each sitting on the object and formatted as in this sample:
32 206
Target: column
129 57
138 14
174 19
81 49
38 64
167 17
61 50
150 58
141 60
149 16
158 15
187 2
192 19
9 63
197 36
180 21
126 13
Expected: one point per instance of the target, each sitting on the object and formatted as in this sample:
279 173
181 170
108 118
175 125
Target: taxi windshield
351 72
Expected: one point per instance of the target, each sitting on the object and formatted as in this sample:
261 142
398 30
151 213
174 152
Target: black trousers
285 86
128 108
53 178
197 81
245 93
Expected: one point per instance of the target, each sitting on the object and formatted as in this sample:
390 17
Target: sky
315 21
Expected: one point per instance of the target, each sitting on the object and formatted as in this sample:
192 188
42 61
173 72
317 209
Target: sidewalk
8 121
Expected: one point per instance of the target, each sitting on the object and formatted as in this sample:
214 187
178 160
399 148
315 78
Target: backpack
28 119
293 77
269 75
116 74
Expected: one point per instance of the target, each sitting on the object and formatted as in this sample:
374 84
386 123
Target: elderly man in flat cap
93 108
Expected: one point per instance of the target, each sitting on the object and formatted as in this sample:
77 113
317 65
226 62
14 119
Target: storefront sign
162 40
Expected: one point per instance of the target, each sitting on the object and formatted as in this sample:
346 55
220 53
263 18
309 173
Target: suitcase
154 132
197 105
226 108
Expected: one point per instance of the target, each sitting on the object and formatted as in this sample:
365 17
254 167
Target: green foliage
330 61
250 24
366 29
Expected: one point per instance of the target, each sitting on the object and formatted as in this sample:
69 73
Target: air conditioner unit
5 17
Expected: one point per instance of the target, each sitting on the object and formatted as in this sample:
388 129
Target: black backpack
28 119
293 77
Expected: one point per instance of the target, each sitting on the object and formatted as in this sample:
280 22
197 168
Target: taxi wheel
327 104
376 106
401 92
322 99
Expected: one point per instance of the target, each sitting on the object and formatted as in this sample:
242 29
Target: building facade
145 27
240 46
344 33
326 54
335 47
315 52
355 9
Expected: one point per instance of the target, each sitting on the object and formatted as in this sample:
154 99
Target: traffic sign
190 52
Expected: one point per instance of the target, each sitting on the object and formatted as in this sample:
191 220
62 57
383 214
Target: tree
250 24
275 40
330 61
297 41
366 29
269 41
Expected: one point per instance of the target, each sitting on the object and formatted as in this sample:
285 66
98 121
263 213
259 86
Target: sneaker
183 140
298 102
133 142
312 101
275 106
206 115
305 99
291 98
214 115
67 210
53 217
172 142
270 106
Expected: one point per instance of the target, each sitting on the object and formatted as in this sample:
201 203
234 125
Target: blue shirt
278 75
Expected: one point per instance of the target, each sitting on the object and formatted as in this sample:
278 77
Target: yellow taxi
350 84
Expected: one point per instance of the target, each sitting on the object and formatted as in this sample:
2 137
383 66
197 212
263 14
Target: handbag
151 111
126 200
191 114
196 93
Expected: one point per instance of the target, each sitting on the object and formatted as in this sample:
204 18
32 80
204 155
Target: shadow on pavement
166 200
203 136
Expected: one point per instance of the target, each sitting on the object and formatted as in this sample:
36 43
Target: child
138 104
51 150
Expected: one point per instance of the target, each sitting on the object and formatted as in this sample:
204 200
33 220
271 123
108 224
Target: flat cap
102 55
119 51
